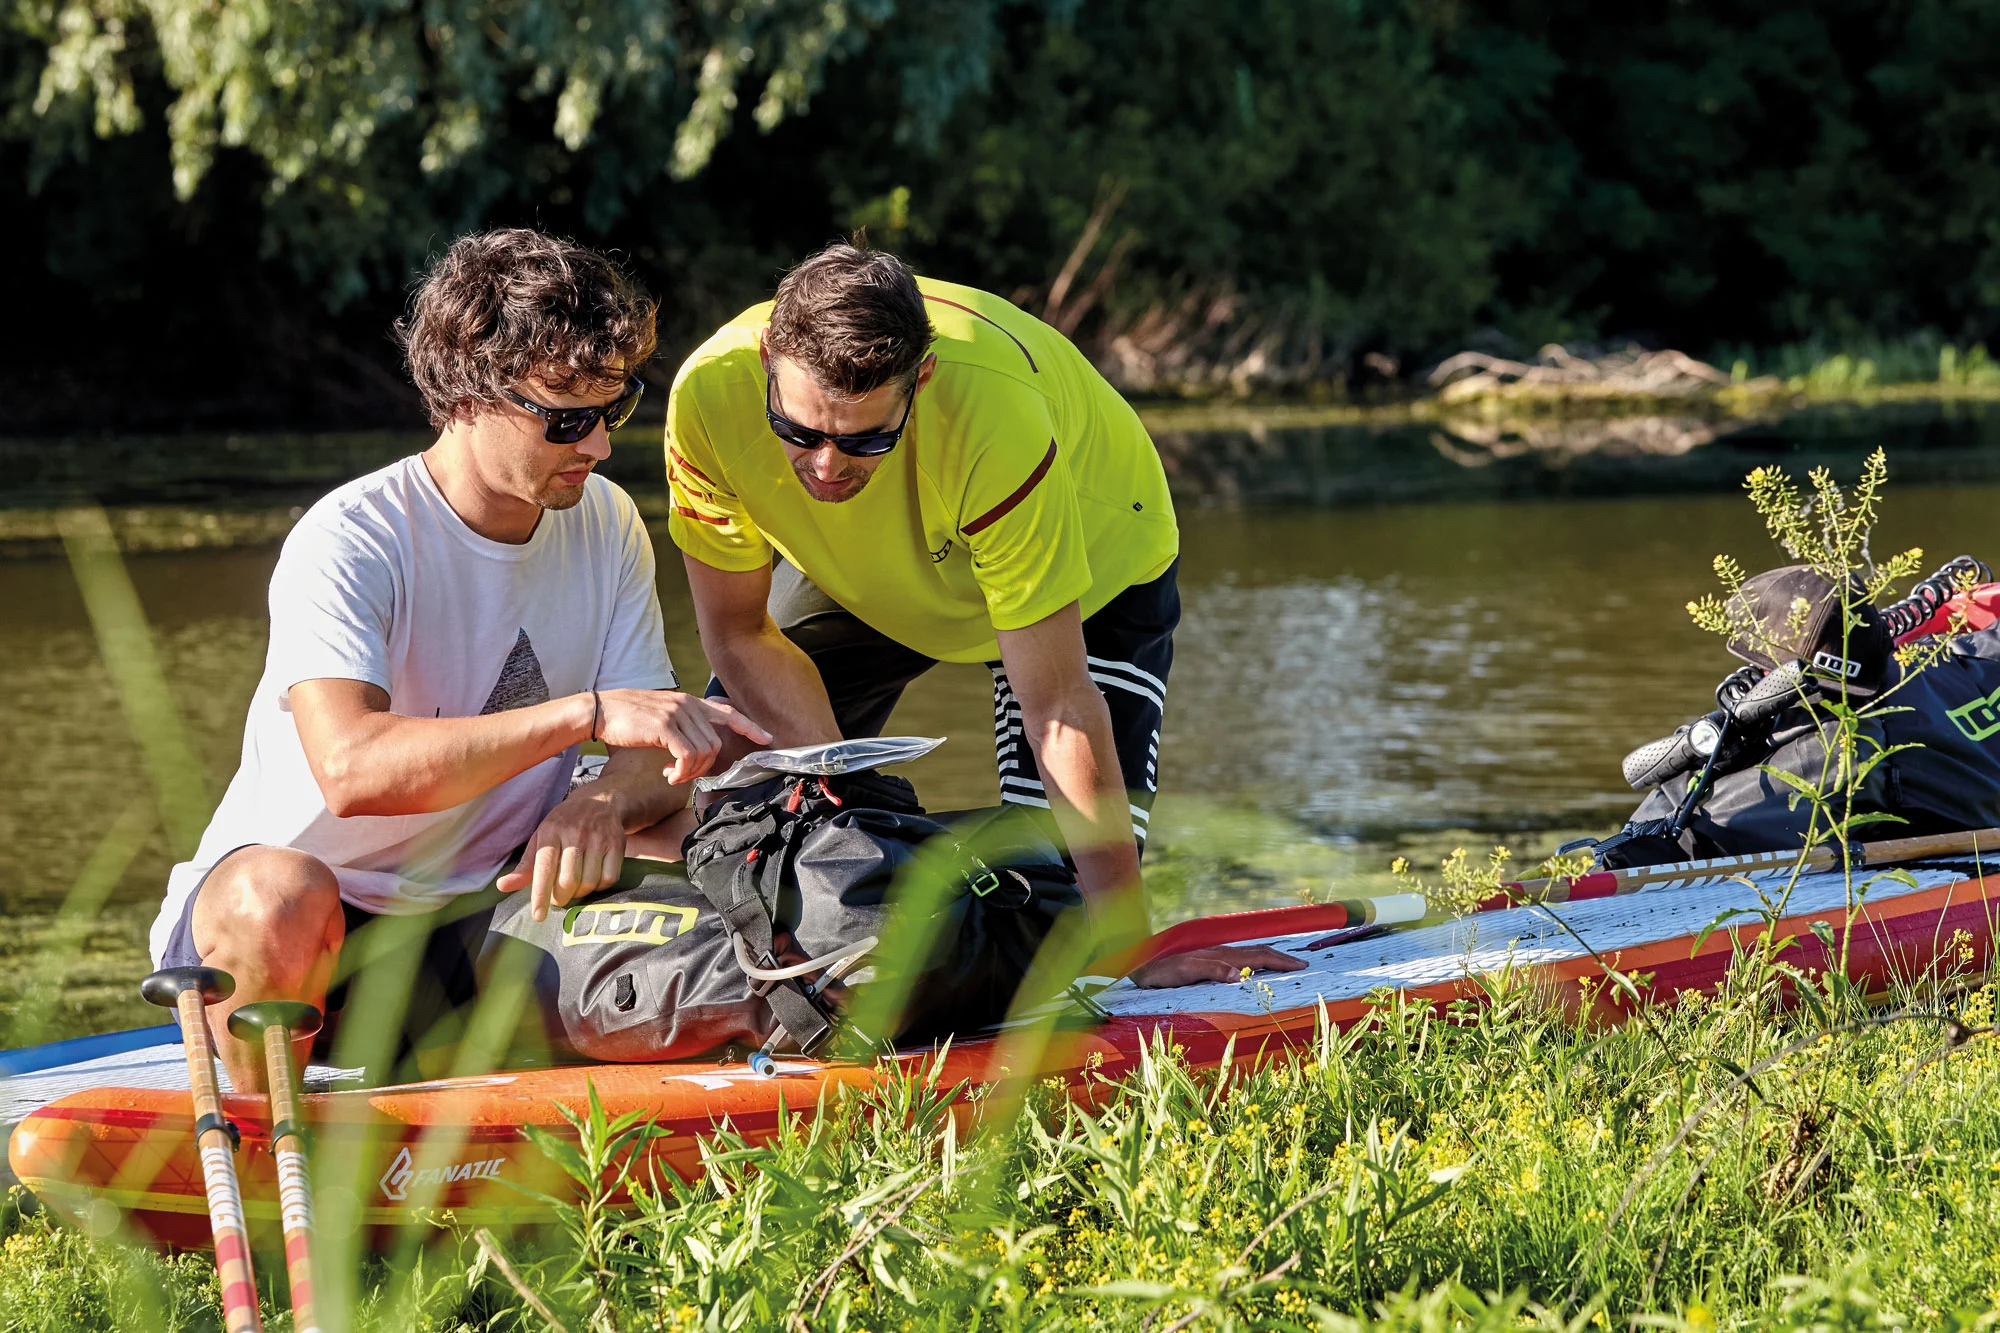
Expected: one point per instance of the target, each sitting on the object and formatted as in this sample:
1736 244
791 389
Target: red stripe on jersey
1006 506
674 455
976 315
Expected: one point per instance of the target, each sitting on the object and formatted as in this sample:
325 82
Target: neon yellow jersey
1023 483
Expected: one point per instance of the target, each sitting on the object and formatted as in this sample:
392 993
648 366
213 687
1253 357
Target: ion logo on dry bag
1978 719
626 923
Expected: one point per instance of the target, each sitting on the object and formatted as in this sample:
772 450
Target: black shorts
1128 645
431 958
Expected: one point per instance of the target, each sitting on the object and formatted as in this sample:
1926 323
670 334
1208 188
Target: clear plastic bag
821 760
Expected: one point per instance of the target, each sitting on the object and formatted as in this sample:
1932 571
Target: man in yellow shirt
941 477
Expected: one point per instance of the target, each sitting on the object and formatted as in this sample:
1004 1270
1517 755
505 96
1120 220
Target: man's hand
1224 963
578 849
685 725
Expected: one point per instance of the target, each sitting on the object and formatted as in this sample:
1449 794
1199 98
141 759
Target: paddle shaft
294 1184
1397 909
1613 883
218 1173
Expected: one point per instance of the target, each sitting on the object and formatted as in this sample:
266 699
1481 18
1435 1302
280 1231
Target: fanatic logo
400 1178
396 1180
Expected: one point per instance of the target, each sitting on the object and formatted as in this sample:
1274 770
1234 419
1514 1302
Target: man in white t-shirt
445 633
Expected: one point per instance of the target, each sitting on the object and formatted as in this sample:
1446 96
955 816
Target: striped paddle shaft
218 1174
294 1185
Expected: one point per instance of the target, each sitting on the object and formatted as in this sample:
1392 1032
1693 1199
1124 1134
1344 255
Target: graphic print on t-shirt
521 684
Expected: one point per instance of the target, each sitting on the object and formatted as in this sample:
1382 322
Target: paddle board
117 1133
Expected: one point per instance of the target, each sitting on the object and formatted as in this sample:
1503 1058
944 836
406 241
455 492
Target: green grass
1860 366
1720 1166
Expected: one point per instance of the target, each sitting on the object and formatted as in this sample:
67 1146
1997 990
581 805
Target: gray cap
1815 637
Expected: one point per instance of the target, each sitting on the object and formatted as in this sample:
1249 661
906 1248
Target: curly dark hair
501 306
852 318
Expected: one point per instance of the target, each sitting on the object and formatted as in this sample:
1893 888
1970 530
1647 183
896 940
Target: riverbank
196 492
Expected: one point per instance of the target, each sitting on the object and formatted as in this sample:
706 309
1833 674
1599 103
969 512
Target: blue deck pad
144 1058
51 1055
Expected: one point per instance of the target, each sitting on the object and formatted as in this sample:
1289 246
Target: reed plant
1856 367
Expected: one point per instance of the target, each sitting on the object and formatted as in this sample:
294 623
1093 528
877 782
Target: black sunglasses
567 425
872 444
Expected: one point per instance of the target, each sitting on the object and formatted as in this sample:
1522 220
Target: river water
1384 649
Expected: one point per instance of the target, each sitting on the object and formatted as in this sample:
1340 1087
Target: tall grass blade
48 968
126 644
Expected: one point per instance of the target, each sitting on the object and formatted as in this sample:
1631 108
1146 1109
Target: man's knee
281 903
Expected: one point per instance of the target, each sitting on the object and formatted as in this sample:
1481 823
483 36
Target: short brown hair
501 306
852 318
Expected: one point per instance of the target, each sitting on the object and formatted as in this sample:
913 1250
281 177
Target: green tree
383 124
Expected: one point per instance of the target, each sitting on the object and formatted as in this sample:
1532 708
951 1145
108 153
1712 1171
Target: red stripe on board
1006 506
996 324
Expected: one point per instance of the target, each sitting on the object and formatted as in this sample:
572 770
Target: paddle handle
294 1182
218 1173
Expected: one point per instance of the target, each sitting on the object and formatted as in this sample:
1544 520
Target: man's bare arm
1068 726
370 761
767 675
579 847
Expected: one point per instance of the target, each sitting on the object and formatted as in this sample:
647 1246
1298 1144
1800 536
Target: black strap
743 911
800 1015
213 1121
281 1128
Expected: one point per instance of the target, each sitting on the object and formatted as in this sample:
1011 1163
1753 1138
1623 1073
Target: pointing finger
545 879
523 872
738 723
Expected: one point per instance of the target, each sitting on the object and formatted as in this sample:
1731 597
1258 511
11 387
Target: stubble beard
554 495
859 479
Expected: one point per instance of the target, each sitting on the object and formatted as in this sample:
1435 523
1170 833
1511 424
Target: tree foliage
380 124
1300 181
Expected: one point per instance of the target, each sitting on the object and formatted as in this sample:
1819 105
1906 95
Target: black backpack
1949 711
791 871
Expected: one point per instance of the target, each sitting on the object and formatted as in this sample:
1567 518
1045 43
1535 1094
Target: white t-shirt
382 582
